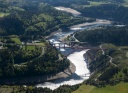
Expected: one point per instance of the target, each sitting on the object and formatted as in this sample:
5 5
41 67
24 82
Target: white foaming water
59 8
78 77
76 28
62 49
76 58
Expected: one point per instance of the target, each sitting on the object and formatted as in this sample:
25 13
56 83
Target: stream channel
75 57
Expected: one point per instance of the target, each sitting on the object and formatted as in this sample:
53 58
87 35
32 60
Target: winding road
103 53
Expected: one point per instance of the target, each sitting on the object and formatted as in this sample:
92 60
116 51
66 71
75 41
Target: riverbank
76 57
81 73
40 79
98 21
82 26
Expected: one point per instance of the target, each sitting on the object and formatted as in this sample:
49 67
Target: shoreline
50 35
81 73
98 21
40 79
79 26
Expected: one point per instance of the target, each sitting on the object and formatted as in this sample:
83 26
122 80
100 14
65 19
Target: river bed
76 57
78 77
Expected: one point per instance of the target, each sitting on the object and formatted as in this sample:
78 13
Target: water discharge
75 57
78 77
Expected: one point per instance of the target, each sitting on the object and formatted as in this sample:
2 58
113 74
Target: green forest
25 63
31 18
113 12
21 23
24 22
103 9
115 35
109 67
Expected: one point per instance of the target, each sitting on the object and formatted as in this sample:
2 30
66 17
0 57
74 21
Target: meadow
119 88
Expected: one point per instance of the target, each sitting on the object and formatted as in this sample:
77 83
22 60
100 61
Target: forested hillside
21 23
109 68
112 12
108 62
114 35
33 18
66 3
25 63
25 54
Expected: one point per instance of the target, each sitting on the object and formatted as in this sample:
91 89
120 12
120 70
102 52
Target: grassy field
3 14
119 88
93 3
17 40
126 3
6 90
29 47
41 44
96 3
126 0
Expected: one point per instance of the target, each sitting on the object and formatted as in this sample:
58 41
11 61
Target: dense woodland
77 3
66 3
61 89
34 18
28 21
30 89
114 35
21 63
111 12
31 20
103 11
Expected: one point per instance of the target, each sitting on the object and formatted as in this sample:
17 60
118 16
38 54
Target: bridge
70 45
74 45
65 45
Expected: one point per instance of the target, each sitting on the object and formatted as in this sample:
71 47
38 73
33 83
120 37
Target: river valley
76 57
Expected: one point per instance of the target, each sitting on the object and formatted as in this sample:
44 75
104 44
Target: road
43 51
103 53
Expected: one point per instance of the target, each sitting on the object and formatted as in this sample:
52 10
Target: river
75 57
